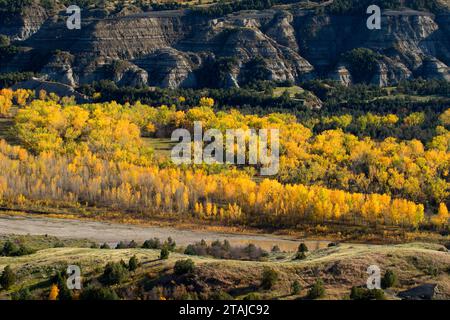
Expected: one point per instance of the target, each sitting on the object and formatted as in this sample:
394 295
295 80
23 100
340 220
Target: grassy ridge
340 267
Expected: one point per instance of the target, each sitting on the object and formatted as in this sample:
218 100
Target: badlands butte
175 48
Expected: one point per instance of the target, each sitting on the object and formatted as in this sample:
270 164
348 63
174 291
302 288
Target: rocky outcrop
282 31
282 62
407 35
342 75
135 36
396 70
169 68
22 26
231 81
128 74
380 77
406 38
59 69
432 68
166 48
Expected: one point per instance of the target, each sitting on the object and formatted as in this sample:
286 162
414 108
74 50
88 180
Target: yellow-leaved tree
6 96
441 219
54 292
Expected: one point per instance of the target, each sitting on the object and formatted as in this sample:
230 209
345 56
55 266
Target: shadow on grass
151 261
41 285
243 291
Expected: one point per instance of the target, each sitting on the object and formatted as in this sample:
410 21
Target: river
112 233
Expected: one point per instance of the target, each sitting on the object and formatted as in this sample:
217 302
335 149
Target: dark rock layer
166 48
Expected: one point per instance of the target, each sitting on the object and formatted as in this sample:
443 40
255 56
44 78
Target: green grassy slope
340 268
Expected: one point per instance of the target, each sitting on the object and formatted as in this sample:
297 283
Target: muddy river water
114 232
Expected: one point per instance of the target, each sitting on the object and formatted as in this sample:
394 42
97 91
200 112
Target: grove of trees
94 154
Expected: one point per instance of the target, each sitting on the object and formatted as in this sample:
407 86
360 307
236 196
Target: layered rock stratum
167 48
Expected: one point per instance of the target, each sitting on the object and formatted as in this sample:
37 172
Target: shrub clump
170 244
105 246
155 243
184 266
317 290
269 278
7 278
358 293
152 244
296 288
223 250
302 248
389 279
164 255
275 249
300 256
363 63
114 273
10 249
60 279
126 245
133 263
301 252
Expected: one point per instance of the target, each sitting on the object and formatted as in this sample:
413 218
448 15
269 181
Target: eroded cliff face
166 48
22 26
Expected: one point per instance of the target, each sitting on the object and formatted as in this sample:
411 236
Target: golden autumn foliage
54 292
94 154
8 98
5 106
442 216
230 197
341 160
376 121
445 118
46 126
206 102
